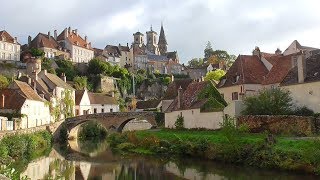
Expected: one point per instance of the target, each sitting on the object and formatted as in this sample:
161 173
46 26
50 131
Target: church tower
162 44
152 45
138 39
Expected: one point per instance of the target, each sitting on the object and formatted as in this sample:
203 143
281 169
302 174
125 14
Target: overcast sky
232 25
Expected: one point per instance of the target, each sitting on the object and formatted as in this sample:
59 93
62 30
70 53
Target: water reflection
96 161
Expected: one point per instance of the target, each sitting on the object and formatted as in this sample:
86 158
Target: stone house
79 48
196 73
126 56
303 81
21 99
193 109
9 47
113 53
49 45
102 103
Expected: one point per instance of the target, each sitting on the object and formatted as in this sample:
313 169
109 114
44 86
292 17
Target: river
94 160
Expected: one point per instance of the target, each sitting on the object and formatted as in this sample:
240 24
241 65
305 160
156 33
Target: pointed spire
162 37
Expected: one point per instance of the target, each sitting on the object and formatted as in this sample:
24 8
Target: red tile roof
74 39
150 104
172 90
280 69
13 98
247 69
27 91
43 40
189 99
79 94
5 36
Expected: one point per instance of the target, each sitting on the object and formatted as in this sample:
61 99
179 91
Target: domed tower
152 45
162 44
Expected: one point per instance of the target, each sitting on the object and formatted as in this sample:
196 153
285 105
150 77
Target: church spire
162 43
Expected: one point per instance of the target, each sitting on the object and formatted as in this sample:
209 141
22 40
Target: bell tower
138 38
152 45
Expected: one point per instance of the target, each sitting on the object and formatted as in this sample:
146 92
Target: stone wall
49 127
285 125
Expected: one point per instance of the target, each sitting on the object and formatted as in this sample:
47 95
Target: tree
215 75
37 52
67 68
47 64
97 66
179 124
196 62
269 102
80 82
208 52
4 82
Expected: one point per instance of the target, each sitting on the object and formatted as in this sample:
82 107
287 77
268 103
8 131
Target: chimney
45 72
29 81
19 74
127 44
69 30
29 41
86 38
2 100
34 85
172 78
34 75
278 51
49 35
55 34
256 51
76 31
179 97
15 40
112 94
302 71
66 33
63 77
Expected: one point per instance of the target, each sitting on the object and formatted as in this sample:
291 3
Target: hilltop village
59 75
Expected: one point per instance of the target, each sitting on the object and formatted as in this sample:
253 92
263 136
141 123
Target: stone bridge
111 121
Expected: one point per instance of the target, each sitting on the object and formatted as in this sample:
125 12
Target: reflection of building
9 47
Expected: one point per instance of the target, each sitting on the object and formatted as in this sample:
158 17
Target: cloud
235 26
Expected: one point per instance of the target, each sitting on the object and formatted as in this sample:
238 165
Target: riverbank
18 150
236 146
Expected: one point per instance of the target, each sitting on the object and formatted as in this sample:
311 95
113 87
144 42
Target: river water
91 160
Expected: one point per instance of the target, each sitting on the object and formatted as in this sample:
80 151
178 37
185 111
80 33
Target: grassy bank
233 146
16 151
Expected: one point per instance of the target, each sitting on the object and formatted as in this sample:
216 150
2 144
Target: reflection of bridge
111 121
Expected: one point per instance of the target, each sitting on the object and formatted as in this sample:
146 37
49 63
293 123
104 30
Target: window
95 110
111 110
77 111
102 110
235 96
84 112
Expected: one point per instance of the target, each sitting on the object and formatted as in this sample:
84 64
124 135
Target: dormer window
236 79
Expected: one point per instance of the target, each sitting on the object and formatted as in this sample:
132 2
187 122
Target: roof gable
99 98
13 98
43 40
6 37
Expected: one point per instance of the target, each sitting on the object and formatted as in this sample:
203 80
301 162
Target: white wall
9 51
80 55
306 94
106 107
84 105
37 114
193 118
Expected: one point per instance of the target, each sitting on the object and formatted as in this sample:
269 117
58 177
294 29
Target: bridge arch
114 120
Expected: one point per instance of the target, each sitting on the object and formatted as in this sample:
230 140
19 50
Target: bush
125 146
269 102
4 82
303 111
179 124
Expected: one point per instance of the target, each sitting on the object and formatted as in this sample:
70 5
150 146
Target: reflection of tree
59 169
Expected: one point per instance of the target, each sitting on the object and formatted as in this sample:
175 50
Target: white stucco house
21 99
303 81
83 105
102 103
79 48
9 47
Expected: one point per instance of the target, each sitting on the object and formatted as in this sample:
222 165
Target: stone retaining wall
49 127
290 125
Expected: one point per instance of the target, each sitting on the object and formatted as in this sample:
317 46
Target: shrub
4 82
125 146
269 102
303 111
179 124
116 138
